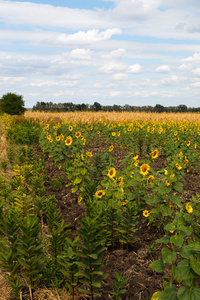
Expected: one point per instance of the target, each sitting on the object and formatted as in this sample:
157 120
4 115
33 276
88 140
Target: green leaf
77 180
178 186
175 199
158 266
188 250
74 189
164 240
195 264
168 256
170 227
169 293
156 296
93 256
183 271
188 294
177 240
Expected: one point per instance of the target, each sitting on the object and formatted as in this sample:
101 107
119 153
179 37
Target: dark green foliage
129 223
113 222
8 249
92 251
31 251
24 133
118 285
12 104
69 264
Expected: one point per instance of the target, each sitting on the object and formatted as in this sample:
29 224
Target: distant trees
69 106
12 104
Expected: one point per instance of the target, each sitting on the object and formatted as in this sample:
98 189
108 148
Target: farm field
100 206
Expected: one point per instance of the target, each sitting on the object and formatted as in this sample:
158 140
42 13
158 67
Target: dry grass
90 117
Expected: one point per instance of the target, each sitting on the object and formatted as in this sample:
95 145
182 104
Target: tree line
69 106
13 104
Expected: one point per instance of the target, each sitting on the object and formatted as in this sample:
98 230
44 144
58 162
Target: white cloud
81 54
195 58
115 93
134 69
120 76
135 9
163 69
196 72
115 54
185 67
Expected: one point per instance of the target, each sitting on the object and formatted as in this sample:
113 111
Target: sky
135 52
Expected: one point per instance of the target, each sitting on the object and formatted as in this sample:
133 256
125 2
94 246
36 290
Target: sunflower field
100 206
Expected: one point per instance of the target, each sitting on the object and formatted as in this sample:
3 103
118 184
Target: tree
12 104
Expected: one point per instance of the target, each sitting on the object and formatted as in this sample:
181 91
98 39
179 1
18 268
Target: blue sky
136 52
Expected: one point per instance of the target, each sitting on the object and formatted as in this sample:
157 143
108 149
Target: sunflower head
144 169
89 154
100 194
111 172
111 148
68 140
189 208
119 181
77 134
145 213
154 154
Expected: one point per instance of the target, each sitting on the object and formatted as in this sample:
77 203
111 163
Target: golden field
89 117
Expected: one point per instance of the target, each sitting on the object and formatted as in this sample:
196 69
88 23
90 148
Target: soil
133 263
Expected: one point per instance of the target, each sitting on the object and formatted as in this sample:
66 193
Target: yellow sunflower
111 172
145 213
188 143
119 181
144 169
178 166
68 140
89 154
154 154
77 134
100 194
189 208
111 148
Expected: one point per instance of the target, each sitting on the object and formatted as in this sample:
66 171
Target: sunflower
135 157
167 182
113 133
185 162
154 154
189 208
100 194
68 140
178 166
144 169
111 172
180 154
50 140
149 179
119 181
89 154
70 128
111 148
136 162
145 213
58 138
188 143
77 134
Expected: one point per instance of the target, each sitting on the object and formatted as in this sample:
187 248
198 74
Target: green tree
12 104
